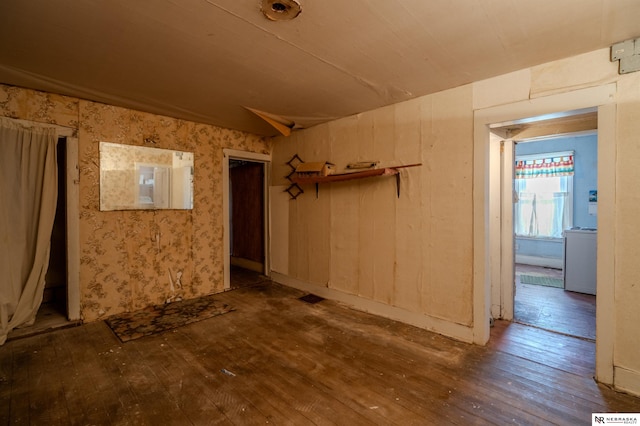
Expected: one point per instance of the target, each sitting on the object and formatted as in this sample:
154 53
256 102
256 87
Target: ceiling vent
281 10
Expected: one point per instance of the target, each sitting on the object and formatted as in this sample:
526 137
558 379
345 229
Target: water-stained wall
131 259
413 252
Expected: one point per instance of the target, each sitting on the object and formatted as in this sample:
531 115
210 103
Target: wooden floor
278 360
554 308
241 277
52 317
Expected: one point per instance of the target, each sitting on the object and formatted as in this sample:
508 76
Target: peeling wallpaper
132 259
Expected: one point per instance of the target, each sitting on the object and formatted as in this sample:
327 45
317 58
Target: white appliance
580 260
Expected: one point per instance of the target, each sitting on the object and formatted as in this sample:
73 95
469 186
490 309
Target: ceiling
210 60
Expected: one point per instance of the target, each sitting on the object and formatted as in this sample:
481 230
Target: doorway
246 218
61 299
54 301
246 221
493 226
555 175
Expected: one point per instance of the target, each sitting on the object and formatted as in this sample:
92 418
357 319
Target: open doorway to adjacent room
60 305
554 183
494 245
246 204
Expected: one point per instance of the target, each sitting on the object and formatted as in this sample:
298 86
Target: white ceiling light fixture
281 10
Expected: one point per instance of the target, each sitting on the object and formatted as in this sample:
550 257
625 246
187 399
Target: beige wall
358 243
357 237
128 257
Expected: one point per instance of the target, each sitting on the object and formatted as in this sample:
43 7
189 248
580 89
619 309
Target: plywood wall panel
300 236
308 233
366 201
452 208
303 240
367 243
425 171
384 284
384 209
409 253
318 228
284 149
377 208
345 208
294 239
279 229
408 226
408 132
320 207
384 145
345 232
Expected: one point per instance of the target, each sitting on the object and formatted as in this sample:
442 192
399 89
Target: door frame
502 275
265 159
490 250
73 229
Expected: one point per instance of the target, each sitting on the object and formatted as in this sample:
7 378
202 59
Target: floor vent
311 298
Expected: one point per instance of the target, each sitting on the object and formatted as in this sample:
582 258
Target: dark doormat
311 298
156 319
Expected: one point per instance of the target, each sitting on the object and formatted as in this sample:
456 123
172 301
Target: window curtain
543 214
544 188
28 190
548 166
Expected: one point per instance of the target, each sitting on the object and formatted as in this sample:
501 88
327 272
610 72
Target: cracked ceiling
210 60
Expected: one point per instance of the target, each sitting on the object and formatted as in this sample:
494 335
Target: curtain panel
543 214
544 167
28 190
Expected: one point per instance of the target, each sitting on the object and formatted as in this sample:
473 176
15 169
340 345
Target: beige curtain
28 193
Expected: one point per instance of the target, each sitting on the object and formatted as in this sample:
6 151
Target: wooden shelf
341 177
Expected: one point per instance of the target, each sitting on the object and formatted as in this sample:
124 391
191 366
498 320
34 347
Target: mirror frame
134 177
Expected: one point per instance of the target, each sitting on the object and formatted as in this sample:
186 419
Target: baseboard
437 325
251 265
548 262
626 380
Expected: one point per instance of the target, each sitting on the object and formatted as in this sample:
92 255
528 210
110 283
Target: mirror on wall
139 177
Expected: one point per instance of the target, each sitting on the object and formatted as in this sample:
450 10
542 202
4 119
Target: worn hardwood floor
554 308
278 360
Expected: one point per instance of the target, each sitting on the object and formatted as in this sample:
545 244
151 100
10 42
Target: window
544 195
